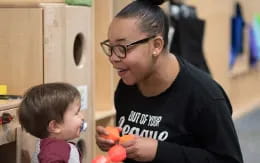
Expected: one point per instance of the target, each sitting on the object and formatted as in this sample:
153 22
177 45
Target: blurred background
44 41
227 41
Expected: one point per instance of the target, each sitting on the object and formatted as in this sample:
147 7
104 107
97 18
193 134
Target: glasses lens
106 49
119 51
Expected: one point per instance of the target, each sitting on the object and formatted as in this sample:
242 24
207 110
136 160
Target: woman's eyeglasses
120 50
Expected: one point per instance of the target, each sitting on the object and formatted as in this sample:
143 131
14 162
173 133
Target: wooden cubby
105 77
46 43
28 45
8 142
103 98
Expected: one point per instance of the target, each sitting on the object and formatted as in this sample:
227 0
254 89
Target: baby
51 112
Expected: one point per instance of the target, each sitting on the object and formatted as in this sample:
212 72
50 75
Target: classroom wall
241 82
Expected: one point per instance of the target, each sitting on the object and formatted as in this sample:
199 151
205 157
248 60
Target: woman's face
138 63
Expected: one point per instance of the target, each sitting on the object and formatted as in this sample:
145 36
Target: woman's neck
166 71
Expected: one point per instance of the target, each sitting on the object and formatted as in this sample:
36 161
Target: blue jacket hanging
237 32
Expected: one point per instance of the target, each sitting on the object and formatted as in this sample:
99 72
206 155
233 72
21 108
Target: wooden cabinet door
21 48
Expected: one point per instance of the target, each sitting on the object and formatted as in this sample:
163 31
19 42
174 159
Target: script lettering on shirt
143 120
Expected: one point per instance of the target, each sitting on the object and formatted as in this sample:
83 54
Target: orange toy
101 159
113 133
126 138
117 153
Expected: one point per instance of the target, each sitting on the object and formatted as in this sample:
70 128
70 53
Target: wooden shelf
8 104
104 113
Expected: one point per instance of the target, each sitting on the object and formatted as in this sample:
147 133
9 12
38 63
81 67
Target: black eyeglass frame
124 47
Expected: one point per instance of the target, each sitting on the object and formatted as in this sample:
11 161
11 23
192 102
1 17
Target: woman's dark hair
44 103
152 18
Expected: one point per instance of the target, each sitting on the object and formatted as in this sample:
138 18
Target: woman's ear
158 44
54 127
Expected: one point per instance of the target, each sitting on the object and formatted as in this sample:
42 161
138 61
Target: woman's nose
114 57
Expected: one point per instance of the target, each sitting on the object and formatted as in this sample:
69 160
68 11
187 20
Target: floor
248 130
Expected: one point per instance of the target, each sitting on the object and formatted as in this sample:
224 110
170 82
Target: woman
177 112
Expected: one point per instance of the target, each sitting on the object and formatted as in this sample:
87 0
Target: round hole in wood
78 48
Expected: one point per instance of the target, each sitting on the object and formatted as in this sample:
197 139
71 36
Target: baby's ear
54 127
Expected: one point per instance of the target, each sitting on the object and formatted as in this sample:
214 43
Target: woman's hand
103 144
141 149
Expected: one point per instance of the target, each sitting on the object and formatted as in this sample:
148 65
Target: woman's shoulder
202 84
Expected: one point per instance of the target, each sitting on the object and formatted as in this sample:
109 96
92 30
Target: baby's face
72 121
